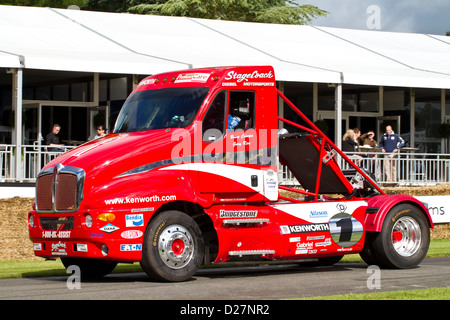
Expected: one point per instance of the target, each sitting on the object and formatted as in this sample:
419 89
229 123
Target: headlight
31 220
88 220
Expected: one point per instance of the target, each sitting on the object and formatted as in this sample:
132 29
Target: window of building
427 120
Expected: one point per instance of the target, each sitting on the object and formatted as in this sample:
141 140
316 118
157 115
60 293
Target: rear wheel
403 241
173 247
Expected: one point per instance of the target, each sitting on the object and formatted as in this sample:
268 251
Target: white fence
33 159
411 169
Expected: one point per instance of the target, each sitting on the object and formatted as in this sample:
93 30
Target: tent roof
73 40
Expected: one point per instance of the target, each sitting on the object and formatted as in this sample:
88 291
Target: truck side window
241 110
214 121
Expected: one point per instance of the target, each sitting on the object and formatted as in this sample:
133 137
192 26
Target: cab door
230 168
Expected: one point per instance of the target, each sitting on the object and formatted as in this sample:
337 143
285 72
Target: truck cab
189 176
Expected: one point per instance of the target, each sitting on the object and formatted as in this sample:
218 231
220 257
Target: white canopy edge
144 44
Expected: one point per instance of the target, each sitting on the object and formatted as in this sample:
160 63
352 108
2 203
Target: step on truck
190 176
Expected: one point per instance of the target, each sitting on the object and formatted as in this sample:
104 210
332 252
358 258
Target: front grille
59 189
66 192
61 223
44 185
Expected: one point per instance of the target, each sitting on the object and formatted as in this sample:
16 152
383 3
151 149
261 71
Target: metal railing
404 169
33 158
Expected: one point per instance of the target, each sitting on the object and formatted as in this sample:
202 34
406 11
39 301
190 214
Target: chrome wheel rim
406 236
176 246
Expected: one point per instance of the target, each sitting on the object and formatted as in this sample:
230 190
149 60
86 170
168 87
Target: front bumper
69 235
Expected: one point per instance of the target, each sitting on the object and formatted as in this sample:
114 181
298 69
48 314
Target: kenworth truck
189 176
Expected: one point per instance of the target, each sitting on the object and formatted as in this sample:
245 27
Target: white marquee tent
71 40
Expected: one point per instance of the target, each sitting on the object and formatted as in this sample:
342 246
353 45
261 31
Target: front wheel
173 247
403 241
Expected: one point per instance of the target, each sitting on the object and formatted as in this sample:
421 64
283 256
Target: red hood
106 158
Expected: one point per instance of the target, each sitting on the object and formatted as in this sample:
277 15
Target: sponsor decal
304 228
315 238
238 213
325 243
109 228
37 246
131 234
131 247
318 214
56 234
192 77
294 239
96 235
82 247
244 77
142 209
303 247
143 199
59 249
345 230
148 81
134 220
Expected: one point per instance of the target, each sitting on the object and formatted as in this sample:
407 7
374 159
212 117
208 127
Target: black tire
90 269
367 254
403 241
173 247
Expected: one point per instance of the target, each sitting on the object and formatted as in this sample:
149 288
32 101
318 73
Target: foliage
45 3
113 5
268 11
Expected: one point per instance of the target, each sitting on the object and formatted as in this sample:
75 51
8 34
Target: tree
113 5
268 11
45 3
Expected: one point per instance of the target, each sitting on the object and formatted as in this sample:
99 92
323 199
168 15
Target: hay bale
15 243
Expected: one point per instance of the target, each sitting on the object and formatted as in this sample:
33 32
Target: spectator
368 139
349 144
52 139
390 143
101 132
357 135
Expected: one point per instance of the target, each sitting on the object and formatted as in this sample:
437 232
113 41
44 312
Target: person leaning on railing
390 144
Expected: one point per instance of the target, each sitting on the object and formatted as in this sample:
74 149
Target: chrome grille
59 189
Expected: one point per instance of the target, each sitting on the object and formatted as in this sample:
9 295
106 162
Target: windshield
160 108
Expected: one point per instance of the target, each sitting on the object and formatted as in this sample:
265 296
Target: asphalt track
236 283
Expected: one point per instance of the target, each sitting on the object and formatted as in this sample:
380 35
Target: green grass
42 268
420 294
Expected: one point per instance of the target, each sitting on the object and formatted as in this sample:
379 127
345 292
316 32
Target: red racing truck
189 176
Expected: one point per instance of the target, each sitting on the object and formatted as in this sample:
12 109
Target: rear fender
380 205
